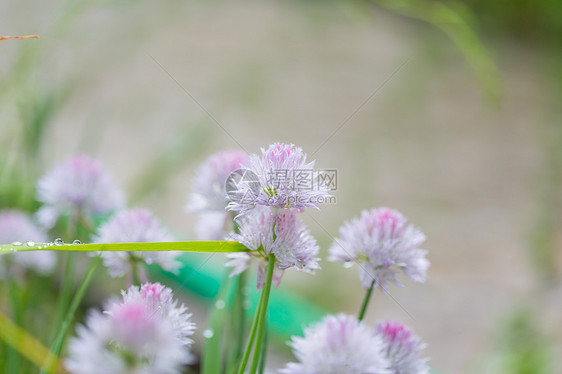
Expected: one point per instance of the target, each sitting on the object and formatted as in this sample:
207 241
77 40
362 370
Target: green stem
237 324
51 365
366 301
66 289
213 357
263 353
241 301
68 277
263 315
251 337
14 358
134 270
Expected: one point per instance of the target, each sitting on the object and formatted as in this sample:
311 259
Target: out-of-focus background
448 111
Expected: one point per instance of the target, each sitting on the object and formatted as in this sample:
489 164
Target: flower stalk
366 301
258 325
51 364
263 314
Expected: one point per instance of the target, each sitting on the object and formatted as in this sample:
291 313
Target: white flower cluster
81 188
341 344
261 189
146 332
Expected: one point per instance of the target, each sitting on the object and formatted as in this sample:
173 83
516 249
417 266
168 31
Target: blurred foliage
29 105
451 17
528 20
182 147
457 22
524 348
545 239
37 113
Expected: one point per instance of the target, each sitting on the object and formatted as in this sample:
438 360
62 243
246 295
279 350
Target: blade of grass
190 246
455 25
24 343
237 325
14 358
51 365
213 352
263 314
65 290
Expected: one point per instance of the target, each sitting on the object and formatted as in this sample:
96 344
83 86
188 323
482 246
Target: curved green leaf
190 246
455 25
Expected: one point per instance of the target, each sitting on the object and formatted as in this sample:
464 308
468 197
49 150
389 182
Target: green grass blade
457 27
237 323
52 364
190 246
23 342
212 360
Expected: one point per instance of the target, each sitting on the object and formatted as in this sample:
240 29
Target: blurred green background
448 111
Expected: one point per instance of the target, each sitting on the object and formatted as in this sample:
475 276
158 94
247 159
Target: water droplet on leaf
17 243
208 333
59 241
30 243
219 304
76 242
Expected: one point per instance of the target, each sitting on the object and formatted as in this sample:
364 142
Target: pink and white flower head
281 233
160 298
403 348
208 196
134 226
280 178
208 190
16 226
80 184
338 344
146 332
383 245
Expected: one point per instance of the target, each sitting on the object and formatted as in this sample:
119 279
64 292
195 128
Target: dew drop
76 242
208 333
30 243
348 264
40 247
219 304
17 243
59 241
